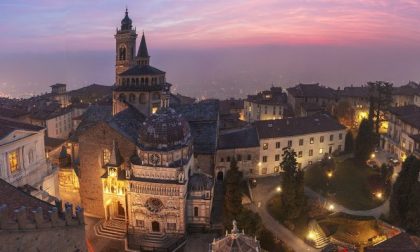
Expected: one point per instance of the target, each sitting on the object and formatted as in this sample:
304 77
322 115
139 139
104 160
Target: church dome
126 23
164 130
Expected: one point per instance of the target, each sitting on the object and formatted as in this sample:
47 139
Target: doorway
120 210
220 176
155 226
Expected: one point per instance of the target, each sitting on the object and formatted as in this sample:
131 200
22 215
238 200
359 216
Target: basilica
147 163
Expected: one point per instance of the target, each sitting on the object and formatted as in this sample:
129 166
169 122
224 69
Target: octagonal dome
164 130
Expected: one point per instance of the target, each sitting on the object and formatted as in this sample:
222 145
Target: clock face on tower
154 159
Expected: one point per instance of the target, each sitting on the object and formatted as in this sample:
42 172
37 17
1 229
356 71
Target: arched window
142 98
131 97
195 211
142 80
121 53
106 156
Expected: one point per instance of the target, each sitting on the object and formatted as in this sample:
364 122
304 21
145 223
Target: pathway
266 188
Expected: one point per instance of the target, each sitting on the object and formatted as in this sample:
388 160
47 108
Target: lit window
276 169
321 150
311 140
265 146
13 161
300 142
264 159
106 156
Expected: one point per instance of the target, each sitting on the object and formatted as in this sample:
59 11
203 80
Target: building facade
23 161
311 137
307 99
243 146
266 105
402 138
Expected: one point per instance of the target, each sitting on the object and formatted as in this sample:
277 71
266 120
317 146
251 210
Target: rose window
154 205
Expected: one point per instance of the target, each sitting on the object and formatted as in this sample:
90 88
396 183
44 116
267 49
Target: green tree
365 141
380 93
349 142
292 197
404 210
232 206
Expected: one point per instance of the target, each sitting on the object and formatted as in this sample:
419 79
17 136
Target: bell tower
125 45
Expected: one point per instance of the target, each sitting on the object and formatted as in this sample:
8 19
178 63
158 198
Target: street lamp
330 174
278 189
372 156
331 207
379 195
311 235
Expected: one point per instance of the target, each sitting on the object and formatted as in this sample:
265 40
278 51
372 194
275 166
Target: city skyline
335 43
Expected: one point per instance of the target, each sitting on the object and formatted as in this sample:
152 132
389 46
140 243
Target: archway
121 211
155 226
220 176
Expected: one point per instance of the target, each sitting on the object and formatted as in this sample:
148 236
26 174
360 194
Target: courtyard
347 185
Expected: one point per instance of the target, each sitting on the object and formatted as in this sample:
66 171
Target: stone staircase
115 229
155 242
319 238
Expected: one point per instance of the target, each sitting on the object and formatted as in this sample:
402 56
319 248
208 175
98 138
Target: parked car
394 161
372 163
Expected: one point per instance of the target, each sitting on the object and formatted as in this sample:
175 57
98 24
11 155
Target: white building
311 138
23 161
266 105
59 122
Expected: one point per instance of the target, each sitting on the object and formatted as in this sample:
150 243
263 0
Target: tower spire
143 53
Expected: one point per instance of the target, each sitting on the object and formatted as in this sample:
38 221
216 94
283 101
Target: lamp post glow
379 195
311 235
331 207
372 156
329 174
278 189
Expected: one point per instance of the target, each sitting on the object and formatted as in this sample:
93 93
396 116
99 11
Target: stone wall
91 145
51 239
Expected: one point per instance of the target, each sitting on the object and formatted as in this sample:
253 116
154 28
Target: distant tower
137 83
125 45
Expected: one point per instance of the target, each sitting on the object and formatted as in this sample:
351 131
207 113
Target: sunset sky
335 43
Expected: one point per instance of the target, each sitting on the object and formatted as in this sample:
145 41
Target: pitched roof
409 114
143 53
400 242
242 138
297 126
8 126
15 198
142 70
312 90
12 112
362 92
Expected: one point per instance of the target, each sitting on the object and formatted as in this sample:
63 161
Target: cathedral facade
138 164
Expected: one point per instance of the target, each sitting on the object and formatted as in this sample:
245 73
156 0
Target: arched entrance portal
220 176
155 226
120 210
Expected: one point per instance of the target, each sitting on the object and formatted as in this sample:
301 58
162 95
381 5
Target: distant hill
91 93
